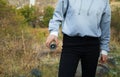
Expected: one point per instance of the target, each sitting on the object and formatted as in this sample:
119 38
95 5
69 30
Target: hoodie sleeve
58 16
105 28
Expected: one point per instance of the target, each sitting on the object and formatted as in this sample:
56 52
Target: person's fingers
47 42
103 58
51 38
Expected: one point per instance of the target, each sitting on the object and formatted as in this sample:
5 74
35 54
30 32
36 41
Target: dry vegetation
23 50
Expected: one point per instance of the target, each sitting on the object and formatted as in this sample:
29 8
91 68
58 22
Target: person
86 34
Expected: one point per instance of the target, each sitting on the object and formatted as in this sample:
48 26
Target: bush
48 12
3 3
29 14
8 15
115 24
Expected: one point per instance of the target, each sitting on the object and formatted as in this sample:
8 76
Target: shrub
8 15
29 14
115 24
48 12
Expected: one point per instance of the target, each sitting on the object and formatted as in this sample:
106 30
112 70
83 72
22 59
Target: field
24 54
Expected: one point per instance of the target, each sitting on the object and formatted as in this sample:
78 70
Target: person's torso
83 17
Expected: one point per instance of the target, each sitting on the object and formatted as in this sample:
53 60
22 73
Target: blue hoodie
83 18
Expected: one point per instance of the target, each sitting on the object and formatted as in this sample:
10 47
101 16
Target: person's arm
55 22
58 17
105 29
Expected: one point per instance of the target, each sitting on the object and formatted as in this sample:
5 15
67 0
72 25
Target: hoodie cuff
54 33
104 52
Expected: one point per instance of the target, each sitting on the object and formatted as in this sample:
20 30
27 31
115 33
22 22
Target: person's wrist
54 33
104 52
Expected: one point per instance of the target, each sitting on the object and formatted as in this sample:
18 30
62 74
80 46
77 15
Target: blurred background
23 31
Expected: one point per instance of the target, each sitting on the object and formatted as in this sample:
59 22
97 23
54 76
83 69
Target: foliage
8 15
28 13
3 3
31 15
115 24
23 50
48 12
22 53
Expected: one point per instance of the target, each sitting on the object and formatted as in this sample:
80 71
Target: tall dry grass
23 50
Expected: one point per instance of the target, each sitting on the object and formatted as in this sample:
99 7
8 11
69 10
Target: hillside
40 4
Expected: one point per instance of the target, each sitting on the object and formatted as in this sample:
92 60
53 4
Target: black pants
76 48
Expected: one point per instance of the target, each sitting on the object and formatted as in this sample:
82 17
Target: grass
23 50
24 54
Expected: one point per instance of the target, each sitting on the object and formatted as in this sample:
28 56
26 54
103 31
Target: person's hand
50 39
103 58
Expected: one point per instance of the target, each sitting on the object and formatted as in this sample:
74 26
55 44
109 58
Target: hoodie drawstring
88 8
80 7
